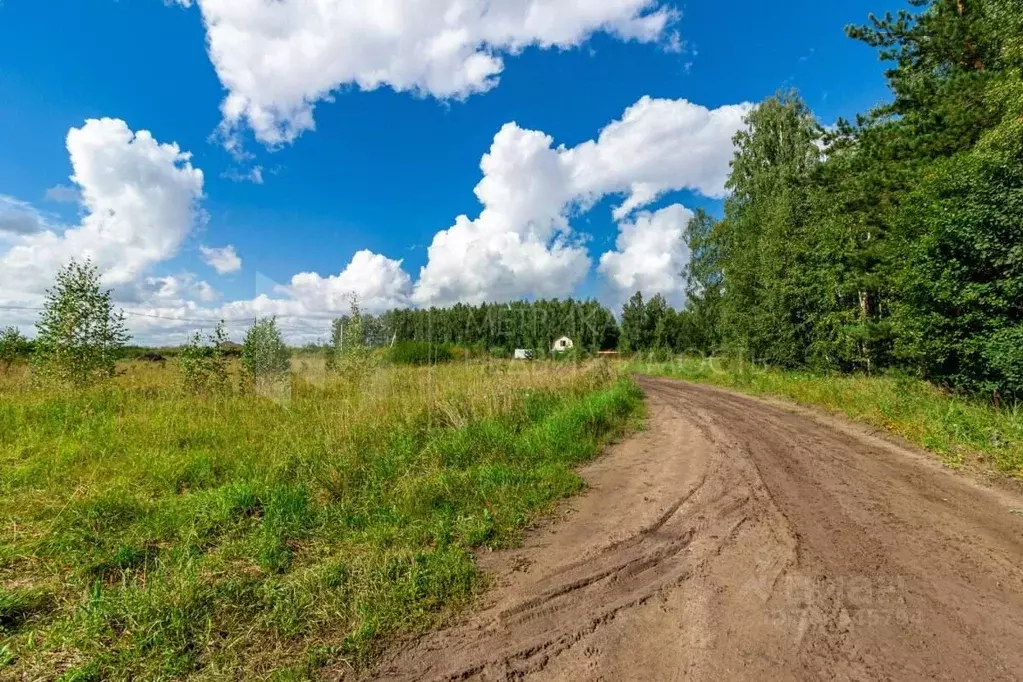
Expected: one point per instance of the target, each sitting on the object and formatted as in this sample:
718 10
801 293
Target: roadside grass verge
957 428
150 534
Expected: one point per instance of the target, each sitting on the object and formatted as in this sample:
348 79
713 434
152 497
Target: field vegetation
152 532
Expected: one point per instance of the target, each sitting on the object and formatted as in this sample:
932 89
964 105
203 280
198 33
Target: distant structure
562 344
523 354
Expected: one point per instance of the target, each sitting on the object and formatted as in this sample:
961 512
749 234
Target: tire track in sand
740 539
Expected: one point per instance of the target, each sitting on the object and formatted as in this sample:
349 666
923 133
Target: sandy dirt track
740 539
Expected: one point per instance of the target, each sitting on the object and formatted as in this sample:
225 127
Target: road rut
735 538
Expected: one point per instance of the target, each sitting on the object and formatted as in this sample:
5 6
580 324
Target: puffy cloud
140 201
522 243
377 282
224 260
18 218
657 146
649 256
277 58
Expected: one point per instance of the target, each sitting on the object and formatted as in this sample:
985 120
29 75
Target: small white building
562 344
523 354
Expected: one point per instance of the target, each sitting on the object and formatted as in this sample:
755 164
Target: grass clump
156 533
957 428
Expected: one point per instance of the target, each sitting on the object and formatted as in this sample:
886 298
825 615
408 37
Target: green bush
419 353
13 346
203 364
264 354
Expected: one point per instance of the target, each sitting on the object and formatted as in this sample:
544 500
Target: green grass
956 428
149 534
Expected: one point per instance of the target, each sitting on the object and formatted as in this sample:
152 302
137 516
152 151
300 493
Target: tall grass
957 428
152 534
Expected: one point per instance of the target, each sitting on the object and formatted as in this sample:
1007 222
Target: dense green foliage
78 335
894 241
419 353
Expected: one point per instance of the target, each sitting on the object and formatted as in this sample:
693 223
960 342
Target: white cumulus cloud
522 244
649 255
166 290
224 259
140 201
377 282
657 146
278 58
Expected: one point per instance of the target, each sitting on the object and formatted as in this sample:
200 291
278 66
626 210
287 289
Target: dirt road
738 539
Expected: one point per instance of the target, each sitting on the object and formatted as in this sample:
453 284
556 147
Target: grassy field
149 534
956 428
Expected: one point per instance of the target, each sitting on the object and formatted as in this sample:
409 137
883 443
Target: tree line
895 240
497 327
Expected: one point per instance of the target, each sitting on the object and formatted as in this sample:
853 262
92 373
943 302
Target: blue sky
386 169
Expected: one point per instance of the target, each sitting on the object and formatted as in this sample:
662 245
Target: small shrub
574 354
204 364
267 361
13 346
349 353
419 353
263 351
